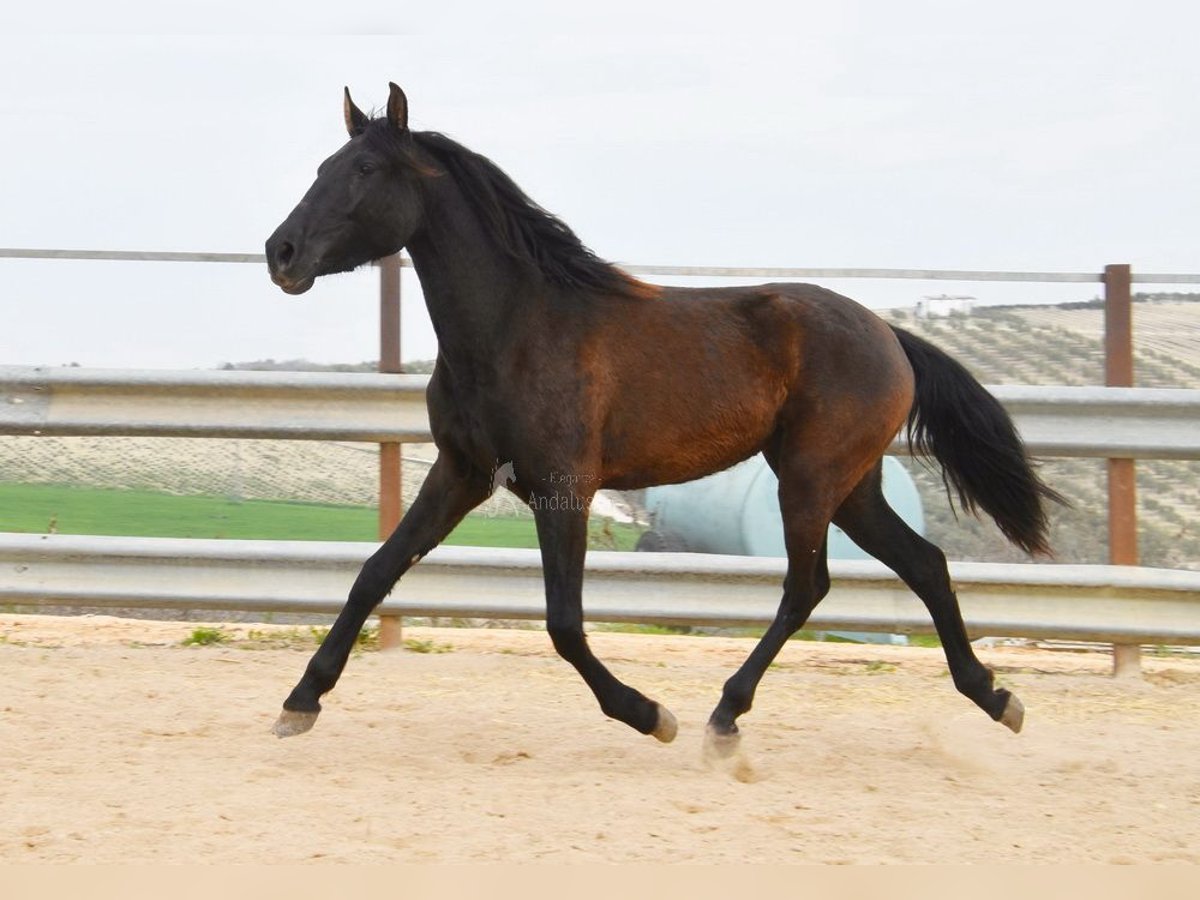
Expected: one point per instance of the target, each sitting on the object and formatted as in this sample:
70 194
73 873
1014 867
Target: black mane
521 228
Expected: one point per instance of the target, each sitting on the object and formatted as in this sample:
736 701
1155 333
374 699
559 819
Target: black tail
955 421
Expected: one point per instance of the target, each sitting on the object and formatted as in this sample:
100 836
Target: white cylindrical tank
737 511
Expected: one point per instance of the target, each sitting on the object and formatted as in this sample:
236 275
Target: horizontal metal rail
638 269
1068 602
136 256
354 406
1107 422
900 274
1158 423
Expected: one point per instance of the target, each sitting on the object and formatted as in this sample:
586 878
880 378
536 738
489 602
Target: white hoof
723 753
1014 714
720 746
291 723
667 726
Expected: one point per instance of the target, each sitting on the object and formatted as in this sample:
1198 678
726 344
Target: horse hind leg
806 510
868 520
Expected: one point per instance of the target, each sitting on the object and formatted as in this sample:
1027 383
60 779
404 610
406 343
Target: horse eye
365 168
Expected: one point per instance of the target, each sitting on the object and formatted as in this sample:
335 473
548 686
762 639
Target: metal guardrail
1158 423
1123 605
1139 423
215 404
1069 602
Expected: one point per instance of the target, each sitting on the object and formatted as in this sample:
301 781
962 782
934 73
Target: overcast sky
1016 136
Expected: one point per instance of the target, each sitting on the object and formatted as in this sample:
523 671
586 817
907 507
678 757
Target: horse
558 374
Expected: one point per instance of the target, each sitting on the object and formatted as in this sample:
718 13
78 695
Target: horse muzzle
286 266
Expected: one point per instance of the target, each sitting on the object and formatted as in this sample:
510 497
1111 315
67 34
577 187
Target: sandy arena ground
122 745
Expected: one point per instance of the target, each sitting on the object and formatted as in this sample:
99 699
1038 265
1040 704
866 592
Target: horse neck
473 291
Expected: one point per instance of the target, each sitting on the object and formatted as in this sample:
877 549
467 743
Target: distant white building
943 305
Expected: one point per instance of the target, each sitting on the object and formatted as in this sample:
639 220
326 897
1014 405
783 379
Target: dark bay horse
582 378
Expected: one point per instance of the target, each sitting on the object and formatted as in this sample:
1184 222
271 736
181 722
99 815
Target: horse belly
665 438
694 386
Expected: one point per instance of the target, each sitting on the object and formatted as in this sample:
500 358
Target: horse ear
397 107
356 119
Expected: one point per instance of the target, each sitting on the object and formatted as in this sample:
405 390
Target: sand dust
121 745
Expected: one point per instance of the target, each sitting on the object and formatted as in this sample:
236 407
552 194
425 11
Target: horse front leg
447 495
562 533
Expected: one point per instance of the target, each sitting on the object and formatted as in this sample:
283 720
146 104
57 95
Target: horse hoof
291 723
667 726
1014 714
723 753
719 746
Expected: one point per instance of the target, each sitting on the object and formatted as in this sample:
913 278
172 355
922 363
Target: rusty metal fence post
391 496
1122 484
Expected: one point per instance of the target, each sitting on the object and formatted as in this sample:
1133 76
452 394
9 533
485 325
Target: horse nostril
284 254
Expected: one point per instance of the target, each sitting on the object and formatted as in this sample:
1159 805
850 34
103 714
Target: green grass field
42 508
